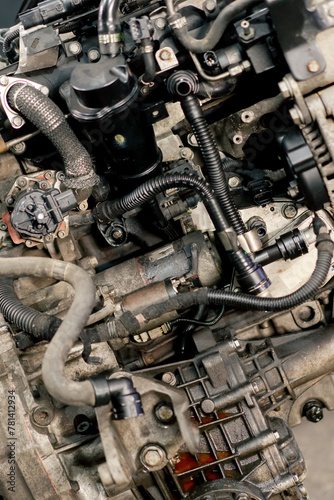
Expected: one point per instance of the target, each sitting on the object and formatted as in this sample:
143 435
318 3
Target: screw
10 200
165 55
61 234
187 153
94 55
29 243
247 116
42 415
48 175
169 378
3 226
43 185
164 413
22 182
75 48
83 206
153 456
4 80
60 176
237 139
17 121
192 141
160 23
19 148
289 211
313 411
313 66
233 181
210 5
208 406
48 238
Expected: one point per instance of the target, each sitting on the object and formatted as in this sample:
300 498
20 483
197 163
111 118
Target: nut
153 457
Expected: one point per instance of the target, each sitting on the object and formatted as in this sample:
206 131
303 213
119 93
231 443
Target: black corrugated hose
8 48
194 114
41 326
49 119
108 210
241 300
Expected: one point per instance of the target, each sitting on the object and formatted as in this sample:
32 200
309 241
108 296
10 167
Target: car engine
166 247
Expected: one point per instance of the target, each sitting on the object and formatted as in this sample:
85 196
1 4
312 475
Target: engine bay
166 247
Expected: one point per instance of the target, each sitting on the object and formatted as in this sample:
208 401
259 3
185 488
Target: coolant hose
219 25
59 386
49 119
7 46
194 114
41 326
108 210
241 300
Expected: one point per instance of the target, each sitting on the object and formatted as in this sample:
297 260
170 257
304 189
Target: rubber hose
41 326
219 25
149 62
50 120
7 47
109 24
58 385
108 210
213 163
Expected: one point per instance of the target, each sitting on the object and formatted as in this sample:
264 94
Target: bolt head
94 55
42 415
160 23
247 116
153 457
208 406
169 378
210 5
313 66
289 211
284 89
117 234
165 55
75 48
17 121
164 413
233 181
4 80
61 234
295 115
313 411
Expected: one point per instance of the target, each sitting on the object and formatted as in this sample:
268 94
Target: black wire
197 322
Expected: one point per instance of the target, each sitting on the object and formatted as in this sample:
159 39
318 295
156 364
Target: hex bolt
153 457
313 66
48 175
233 181
313 411
164 413
4 80
61 234
17 121
75 48
83 206
210 5
285 90
43 185
60 176
169 378
29 243
48 238
94 55
22 182
289 211
192 141
3 226
187 153
160 23
10 200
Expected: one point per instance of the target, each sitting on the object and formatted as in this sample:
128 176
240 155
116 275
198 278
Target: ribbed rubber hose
108 210
41 326
7 47
49 119
213 163
59 386
219 25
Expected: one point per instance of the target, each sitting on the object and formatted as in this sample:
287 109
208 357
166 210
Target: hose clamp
109 38
178 23
147 50
6 83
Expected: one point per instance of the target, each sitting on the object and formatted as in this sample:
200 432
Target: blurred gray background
316 442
